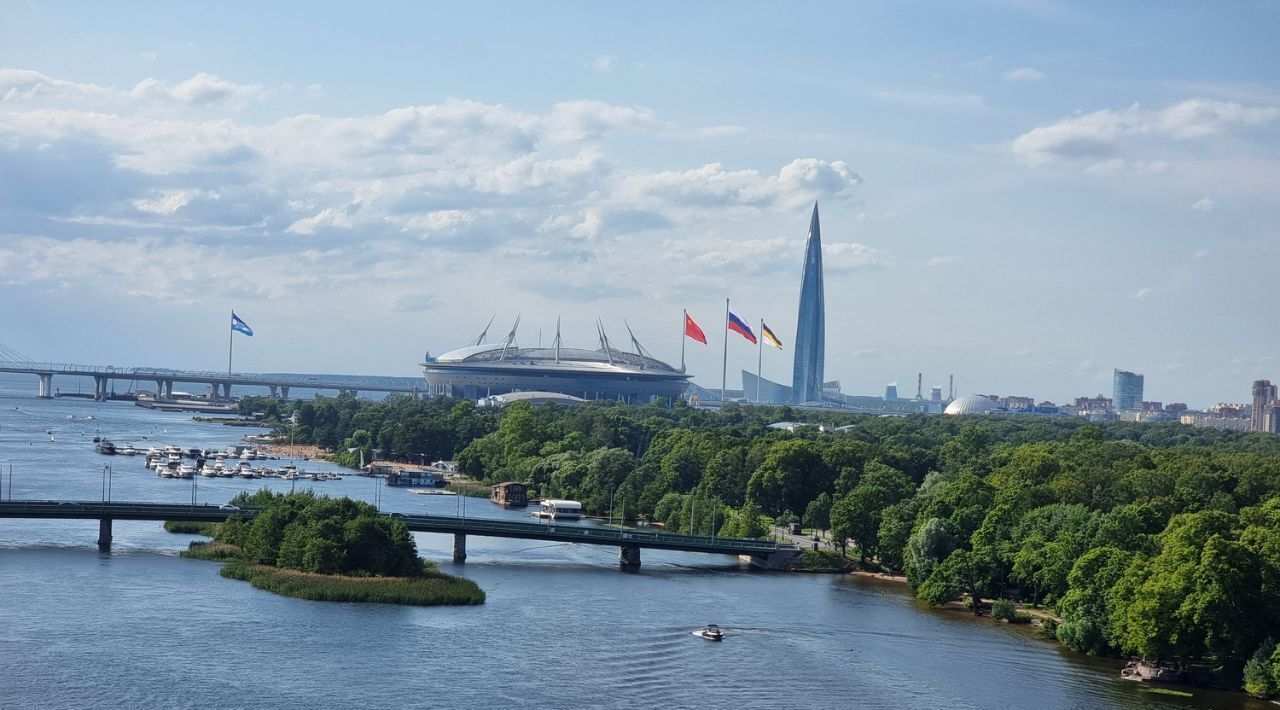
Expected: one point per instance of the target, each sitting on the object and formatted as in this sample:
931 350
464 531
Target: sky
1024 194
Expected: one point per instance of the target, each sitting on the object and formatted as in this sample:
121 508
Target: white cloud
755 256
603 63
27 86
1141 294
1102 134
167 202
1204 204
1120 166
929 99
801 181
937 261
1024 74
1200 254
382 198
579 120
148 56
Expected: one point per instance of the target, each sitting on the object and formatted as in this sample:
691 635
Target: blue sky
1024 194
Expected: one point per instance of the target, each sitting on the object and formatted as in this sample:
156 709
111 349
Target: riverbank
822 562
294 451
430 588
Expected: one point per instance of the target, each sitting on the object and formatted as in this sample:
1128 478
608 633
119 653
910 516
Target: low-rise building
510 494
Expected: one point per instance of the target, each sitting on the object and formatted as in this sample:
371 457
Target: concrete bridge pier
45 386
629 557
284 391
226 391
100 388
104 535
273 392
459 548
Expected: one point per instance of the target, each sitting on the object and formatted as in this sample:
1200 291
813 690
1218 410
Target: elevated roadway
277 384
629 541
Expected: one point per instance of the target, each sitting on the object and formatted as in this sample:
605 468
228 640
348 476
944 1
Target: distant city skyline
1027 195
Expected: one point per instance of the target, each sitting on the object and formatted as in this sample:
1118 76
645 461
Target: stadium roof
611 360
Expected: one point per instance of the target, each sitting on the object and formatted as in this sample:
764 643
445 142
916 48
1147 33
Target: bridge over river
277 384
628 541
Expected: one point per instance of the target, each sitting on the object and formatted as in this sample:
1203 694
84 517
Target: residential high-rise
1264 395
1126 390
806 375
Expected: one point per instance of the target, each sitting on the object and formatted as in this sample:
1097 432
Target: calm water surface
562 628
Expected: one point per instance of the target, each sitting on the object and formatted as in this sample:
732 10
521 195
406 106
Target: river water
562 627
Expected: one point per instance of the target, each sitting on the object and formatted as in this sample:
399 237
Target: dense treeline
1158 541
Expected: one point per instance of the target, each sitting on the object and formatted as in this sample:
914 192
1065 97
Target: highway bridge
629 542
277 384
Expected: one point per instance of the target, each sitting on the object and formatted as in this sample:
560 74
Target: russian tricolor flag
740 326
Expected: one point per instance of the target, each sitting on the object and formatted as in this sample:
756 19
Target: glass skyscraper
1126 391
806 375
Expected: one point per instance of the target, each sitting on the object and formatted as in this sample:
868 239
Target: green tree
1085 612
817 514
792 474
963 572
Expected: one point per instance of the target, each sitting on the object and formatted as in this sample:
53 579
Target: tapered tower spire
806 375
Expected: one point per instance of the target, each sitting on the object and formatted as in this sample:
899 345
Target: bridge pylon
629 556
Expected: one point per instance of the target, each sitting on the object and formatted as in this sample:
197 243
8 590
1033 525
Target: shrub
1003 610
1048 628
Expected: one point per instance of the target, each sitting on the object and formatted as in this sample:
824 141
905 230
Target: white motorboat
710 632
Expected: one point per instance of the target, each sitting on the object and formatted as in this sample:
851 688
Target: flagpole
684 324
231 334
759 359
724 367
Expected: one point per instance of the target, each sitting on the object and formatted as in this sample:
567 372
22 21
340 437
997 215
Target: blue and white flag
240 326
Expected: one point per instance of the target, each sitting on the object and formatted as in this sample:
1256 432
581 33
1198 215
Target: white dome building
972 404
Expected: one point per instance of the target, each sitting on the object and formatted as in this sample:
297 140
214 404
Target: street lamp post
106 482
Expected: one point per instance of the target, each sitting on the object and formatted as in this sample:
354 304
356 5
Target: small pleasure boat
710 632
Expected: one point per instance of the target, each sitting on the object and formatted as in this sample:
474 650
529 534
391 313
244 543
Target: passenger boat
710 632
556 509
105 447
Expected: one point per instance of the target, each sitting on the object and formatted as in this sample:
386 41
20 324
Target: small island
325 549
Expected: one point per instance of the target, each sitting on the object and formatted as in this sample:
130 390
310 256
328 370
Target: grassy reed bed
431 589
186 527
213 552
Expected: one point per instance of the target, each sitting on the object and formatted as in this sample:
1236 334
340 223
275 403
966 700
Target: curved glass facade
806 375
1126 390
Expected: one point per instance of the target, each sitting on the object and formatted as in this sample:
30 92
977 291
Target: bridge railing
243 378
612 535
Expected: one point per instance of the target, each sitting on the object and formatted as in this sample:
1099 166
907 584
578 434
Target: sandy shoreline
297 451
884 576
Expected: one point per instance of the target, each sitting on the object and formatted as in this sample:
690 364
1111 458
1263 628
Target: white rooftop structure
971 404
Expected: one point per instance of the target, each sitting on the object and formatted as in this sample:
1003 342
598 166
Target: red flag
692 330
